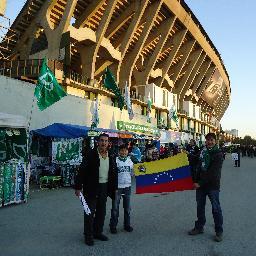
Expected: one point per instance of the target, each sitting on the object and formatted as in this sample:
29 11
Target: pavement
51 223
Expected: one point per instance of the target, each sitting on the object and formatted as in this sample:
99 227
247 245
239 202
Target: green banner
67 151
137 128
12 144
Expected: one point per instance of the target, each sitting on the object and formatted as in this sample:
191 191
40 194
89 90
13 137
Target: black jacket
210 178
88 175
193 154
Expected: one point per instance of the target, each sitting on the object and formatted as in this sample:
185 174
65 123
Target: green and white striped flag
149 108
128 102
174 116
95 115
47 91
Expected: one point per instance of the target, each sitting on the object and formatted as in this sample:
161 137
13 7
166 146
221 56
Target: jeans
213 195
126 194
93 223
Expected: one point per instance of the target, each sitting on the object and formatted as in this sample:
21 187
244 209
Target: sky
231 26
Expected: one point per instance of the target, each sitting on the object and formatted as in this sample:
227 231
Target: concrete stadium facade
157 47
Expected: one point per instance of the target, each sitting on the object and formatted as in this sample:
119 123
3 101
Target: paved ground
51 223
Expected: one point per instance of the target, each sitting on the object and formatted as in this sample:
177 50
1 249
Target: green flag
109 83
174 116
47 90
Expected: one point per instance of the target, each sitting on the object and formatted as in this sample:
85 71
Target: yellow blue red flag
165 175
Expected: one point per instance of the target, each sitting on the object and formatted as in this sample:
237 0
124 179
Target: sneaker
113 230
89 241
218 237
101 237
128 229
195 231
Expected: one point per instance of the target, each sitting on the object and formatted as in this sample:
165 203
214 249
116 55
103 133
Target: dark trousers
193 169
93 223
213 195
126 194
237 163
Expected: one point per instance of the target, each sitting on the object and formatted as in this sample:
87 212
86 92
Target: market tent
13 121
59 130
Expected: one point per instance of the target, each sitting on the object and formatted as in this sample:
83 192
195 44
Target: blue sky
231 26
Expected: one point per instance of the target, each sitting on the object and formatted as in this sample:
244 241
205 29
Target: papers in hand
85 205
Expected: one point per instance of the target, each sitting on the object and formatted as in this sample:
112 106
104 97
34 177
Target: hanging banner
67 151
137 128
12 144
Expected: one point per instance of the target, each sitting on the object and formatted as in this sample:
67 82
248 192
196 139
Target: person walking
125 173
207 183
97 178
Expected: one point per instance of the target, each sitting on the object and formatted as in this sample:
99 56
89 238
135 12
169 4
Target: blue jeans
126 194
213 195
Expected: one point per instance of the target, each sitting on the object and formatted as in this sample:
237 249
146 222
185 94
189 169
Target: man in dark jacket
97 178
193 157
208 184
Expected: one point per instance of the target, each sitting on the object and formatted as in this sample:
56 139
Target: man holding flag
207 184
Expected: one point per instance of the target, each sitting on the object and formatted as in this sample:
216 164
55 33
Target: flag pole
27 177
31 113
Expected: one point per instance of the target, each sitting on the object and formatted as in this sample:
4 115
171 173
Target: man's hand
77 192
196 185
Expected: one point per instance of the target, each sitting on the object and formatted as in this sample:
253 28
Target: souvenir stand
14 168
66 146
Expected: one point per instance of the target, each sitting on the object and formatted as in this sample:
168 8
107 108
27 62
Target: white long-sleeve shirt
125 172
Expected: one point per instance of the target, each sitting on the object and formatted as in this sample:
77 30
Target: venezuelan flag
165 175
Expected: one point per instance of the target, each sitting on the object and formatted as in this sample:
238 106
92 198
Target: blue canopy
59 130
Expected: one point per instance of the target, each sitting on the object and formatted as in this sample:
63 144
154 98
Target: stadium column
90 10
176 43
184 53
180 84
129 60
136 9
186 88
54 34
206 80
26 42
199 78
162 32
89 53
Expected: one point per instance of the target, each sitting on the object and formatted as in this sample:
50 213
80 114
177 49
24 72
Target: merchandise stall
64 146
14 168
56 153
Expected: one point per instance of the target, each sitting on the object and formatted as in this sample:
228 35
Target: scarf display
123 159
206 156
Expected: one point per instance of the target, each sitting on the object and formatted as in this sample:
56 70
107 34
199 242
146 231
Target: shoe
89 241
195 231
128 229
113 230
101 237
218 237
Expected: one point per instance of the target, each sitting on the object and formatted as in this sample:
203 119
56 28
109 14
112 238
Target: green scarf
122 158
206 159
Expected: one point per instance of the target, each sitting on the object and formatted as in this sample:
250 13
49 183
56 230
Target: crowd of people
103 174
249 150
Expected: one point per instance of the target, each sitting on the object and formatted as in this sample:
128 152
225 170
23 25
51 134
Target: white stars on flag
158 176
